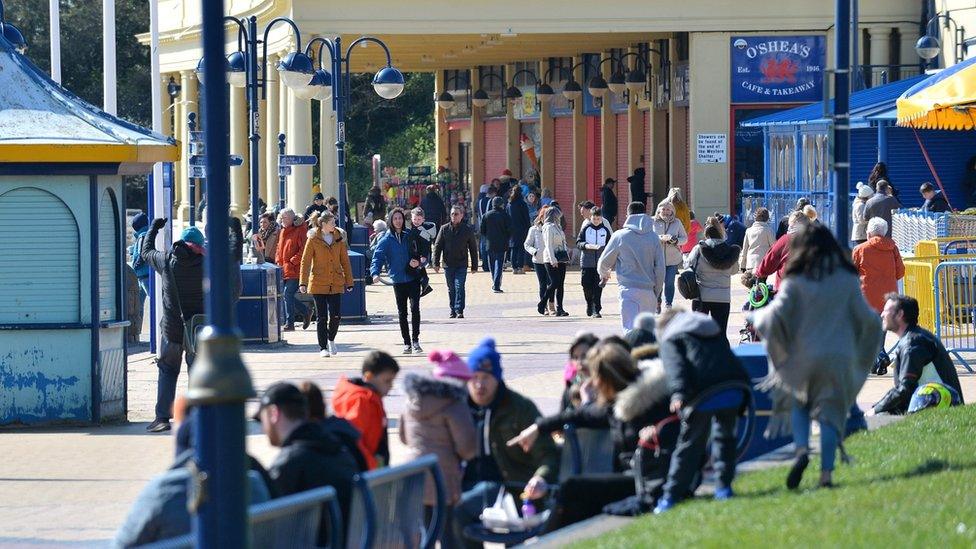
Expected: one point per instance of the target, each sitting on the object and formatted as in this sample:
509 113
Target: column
477 141
239 180
188 104
328 167
608 129
880 53
547 148
657 164
677 135
635 129
513 128
580 181
270 134
299 142
906 48
166 105
442 140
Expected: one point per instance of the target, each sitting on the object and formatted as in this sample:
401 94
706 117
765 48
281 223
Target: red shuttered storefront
623 191
496 155
563 162
594 156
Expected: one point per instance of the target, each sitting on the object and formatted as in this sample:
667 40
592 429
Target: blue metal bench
290 521
586 451
387 507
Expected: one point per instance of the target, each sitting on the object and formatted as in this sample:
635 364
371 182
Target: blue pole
842 27
253 122
219 382
191 126
338 103
281 178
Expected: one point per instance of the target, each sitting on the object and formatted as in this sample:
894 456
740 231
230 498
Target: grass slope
912 484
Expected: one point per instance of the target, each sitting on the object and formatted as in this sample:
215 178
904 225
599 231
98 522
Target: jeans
689 454
292 305
169 364
469 508
518 255
327 307
483 250
557 282
496 260
800 421
592 290
718 311
670 272
543 276
456 277
408 292
634 301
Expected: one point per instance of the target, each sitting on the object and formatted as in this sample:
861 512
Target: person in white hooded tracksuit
635 252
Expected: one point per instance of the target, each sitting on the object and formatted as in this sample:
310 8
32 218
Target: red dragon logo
776 71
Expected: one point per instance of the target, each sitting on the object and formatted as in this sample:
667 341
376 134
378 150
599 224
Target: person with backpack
140 225
714 261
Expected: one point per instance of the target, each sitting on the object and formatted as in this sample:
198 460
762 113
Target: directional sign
196 137
297 160
196 147
198 172
284 171
201 160
235 160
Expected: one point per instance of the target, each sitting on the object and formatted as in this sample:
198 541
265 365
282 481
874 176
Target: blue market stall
797 154
62 235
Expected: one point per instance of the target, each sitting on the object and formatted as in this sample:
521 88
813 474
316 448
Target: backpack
135 254
687 281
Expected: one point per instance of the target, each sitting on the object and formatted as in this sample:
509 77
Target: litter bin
359 243
753 357
353 305
260 304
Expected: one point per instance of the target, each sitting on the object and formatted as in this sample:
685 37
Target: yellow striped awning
944 101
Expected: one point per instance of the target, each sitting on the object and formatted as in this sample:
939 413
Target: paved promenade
73 486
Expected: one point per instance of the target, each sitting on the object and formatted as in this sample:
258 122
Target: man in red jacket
774 262
291 244
360 402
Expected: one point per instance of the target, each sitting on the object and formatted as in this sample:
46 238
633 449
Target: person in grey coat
592 239
822 338
635 252
714 261
881 204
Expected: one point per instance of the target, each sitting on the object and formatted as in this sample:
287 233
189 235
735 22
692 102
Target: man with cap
317 205
500 414
181 270
609 200
496 227
140 225
310 457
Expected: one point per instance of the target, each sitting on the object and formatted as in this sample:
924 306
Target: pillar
442 139
880 53
167 105
658 149
239 179
328 167
299 142
580 181
513 128
547 148
270 133
635 129
188 104
908 36
477 142
677 135
608 130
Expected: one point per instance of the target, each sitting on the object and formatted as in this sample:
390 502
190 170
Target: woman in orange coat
879 264
325 272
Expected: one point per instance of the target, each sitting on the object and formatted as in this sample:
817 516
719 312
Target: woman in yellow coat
325 273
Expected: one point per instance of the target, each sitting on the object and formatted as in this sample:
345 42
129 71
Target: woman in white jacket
859 221
534 245
555 254
759 239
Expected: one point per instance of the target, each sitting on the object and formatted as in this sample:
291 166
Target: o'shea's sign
778 69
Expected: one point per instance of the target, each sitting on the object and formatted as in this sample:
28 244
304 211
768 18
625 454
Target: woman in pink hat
437 421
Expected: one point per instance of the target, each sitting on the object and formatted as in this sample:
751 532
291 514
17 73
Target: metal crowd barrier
387 508
954 294
908 227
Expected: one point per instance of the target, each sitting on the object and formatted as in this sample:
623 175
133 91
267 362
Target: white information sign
712 148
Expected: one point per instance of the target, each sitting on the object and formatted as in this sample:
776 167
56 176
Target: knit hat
483 189
140 221
484 358
379 226
192 235
448 364
864 191
507 172
318 196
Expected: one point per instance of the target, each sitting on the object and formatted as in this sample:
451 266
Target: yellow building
708 63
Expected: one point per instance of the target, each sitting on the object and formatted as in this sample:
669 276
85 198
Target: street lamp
445 100
929 46
388 83
481 98
11 33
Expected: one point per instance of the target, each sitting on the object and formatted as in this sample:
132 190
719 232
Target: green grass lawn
912 484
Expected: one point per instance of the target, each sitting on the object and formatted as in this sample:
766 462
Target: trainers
416 347
332 348
306 321
542 308
453 314
288 328
663 505
159 426
796 472
324 353
427 289
407 349
497 290
460 315
597 315
722 494
560 312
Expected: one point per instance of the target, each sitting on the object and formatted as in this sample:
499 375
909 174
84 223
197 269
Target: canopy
944 101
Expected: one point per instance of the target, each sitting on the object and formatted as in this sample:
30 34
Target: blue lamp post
388 84
11 33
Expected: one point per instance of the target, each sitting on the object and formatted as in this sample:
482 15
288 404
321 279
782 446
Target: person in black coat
608 198
496 227
484 206
339 427
935 201
433 205
518 211
696 357
637 189
181 269
309 457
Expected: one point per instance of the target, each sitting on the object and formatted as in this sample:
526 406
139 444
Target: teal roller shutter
108 260
39 269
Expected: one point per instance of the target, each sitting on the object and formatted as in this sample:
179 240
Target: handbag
562 255
688 281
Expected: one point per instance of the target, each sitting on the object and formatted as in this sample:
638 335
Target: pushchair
760 294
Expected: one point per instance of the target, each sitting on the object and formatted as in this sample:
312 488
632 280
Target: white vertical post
109 87
55 18
157 126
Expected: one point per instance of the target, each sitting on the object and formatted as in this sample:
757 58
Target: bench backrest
586 451
387 507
